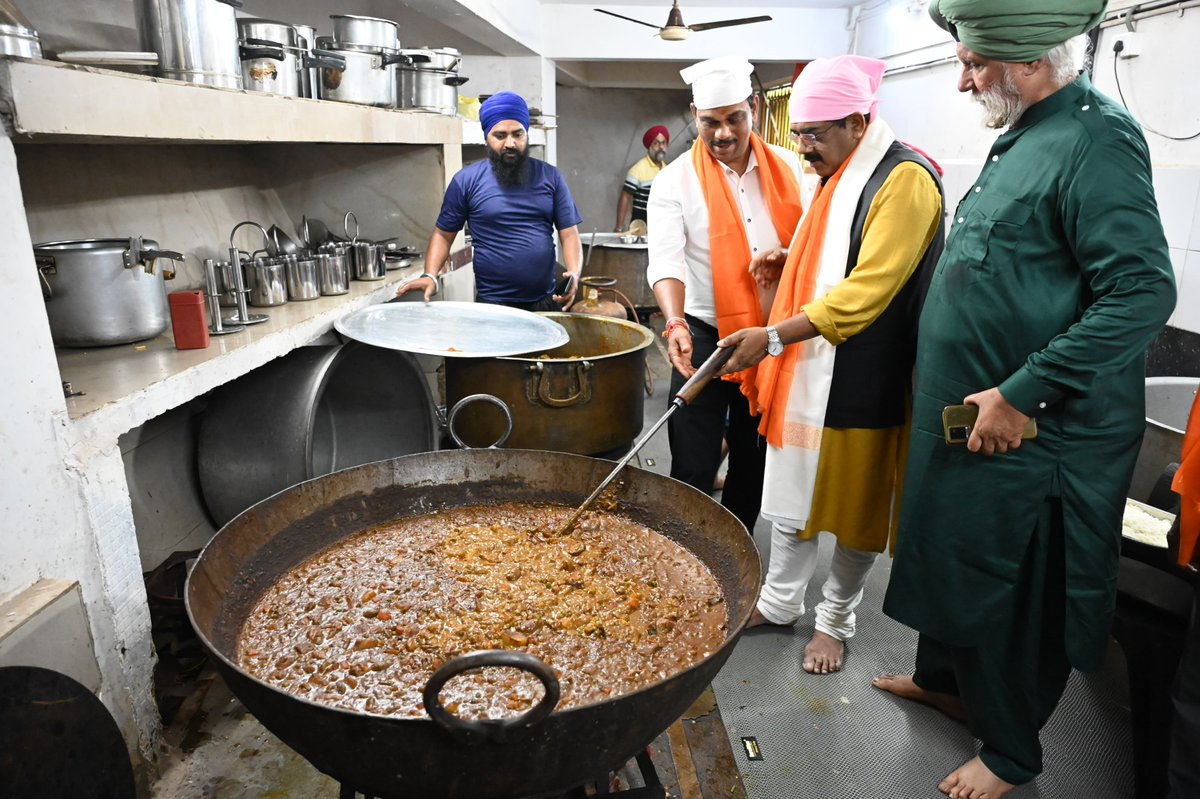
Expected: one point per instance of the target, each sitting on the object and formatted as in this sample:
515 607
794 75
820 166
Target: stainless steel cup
303 282
369 262
266 280
332 273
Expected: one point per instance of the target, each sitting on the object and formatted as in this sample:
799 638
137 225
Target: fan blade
628 19
726 23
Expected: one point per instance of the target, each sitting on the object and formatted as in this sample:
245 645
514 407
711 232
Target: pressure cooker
103 291
275 59
431 82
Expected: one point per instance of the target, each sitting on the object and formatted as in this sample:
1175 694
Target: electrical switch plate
1130 44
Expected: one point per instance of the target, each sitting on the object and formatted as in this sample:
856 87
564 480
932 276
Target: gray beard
659 157
1002 104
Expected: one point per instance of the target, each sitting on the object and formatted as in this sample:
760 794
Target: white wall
596 150
65 509
578 32
926 109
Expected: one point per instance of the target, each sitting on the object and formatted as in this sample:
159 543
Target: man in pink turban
636 190
835 358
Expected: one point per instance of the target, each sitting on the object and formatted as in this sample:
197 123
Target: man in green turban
1054 279
1016 31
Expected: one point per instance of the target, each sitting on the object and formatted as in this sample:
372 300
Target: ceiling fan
676 31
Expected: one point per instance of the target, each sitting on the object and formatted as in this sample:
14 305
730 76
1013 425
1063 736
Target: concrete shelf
124 385
66 102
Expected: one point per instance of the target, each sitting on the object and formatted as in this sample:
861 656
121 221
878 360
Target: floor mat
830 736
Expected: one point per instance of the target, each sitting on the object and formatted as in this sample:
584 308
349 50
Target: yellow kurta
860 472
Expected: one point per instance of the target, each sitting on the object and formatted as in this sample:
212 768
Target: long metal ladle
684 396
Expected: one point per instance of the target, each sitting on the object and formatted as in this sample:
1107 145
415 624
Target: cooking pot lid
453 329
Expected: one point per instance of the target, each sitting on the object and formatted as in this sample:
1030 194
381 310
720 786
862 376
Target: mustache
723 142
812 159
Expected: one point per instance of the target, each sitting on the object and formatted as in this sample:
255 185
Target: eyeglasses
809 139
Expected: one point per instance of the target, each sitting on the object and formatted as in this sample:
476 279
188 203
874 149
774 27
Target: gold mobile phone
957 421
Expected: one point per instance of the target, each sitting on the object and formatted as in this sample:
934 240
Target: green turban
1015 30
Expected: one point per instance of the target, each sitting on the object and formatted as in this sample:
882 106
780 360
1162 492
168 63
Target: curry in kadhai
611 607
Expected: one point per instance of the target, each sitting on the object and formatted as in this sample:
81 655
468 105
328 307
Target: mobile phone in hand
959 420
564 285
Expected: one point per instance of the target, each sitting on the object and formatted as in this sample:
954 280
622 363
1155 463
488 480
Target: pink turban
652 134
835 88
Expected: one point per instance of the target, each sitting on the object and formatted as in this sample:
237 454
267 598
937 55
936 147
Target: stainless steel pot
266 282
439 59
427 90
103 291
309 413
17 35
196 40
303 280
585 396
368 78
275 60
308 77
371 33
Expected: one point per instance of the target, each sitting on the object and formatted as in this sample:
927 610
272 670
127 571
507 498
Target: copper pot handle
474 732
583 391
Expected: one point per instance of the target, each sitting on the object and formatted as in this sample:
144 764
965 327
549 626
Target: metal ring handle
465 401
346 225
493 730
261 229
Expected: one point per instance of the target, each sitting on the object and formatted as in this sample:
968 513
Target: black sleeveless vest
872 371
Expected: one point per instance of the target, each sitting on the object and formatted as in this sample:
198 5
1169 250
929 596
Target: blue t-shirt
512 228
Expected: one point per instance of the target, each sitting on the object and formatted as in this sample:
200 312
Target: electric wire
1117 48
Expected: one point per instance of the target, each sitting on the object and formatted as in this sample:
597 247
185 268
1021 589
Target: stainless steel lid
453 329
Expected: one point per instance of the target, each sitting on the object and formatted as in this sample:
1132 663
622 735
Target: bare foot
974 780
759 620
904 687
823 655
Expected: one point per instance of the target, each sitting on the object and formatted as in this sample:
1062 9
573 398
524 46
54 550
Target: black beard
511 166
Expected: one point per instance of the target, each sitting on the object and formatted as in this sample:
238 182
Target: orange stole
735 293
797 284
1187 485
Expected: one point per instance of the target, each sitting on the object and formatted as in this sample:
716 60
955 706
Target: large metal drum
585 396
608 257
418 758
311 412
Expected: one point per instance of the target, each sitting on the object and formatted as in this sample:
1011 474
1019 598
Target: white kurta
677 226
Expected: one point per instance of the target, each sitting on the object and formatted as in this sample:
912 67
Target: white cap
719 82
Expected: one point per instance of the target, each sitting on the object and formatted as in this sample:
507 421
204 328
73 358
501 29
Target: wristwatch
774 345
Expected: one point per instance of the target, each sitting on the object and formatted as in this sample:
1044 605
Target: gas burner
653 787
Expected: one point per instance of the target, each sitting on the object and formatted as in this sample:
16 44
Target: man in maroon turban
636 189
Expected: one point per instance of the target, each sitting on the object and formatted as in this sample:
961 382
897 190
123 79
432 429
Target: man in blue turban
513 204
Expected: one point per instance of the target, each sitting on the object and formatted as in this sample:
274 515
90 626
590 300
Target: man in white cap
726 203
834 393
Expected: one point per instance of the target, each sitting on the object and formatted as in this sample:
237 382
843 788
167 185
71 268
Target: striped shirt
637 183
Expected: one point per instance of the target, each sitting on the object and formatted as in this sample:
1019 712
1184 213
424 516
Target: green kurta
1054 280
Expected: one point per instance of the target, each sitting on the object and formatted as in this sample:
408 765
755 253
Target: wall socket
1126 44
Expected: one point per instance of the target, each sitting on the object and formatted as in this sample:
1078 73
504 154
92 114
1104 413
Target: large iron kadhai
407 758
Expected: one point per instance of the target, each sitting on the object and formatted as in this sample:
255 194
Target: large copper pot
411 758
585 396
